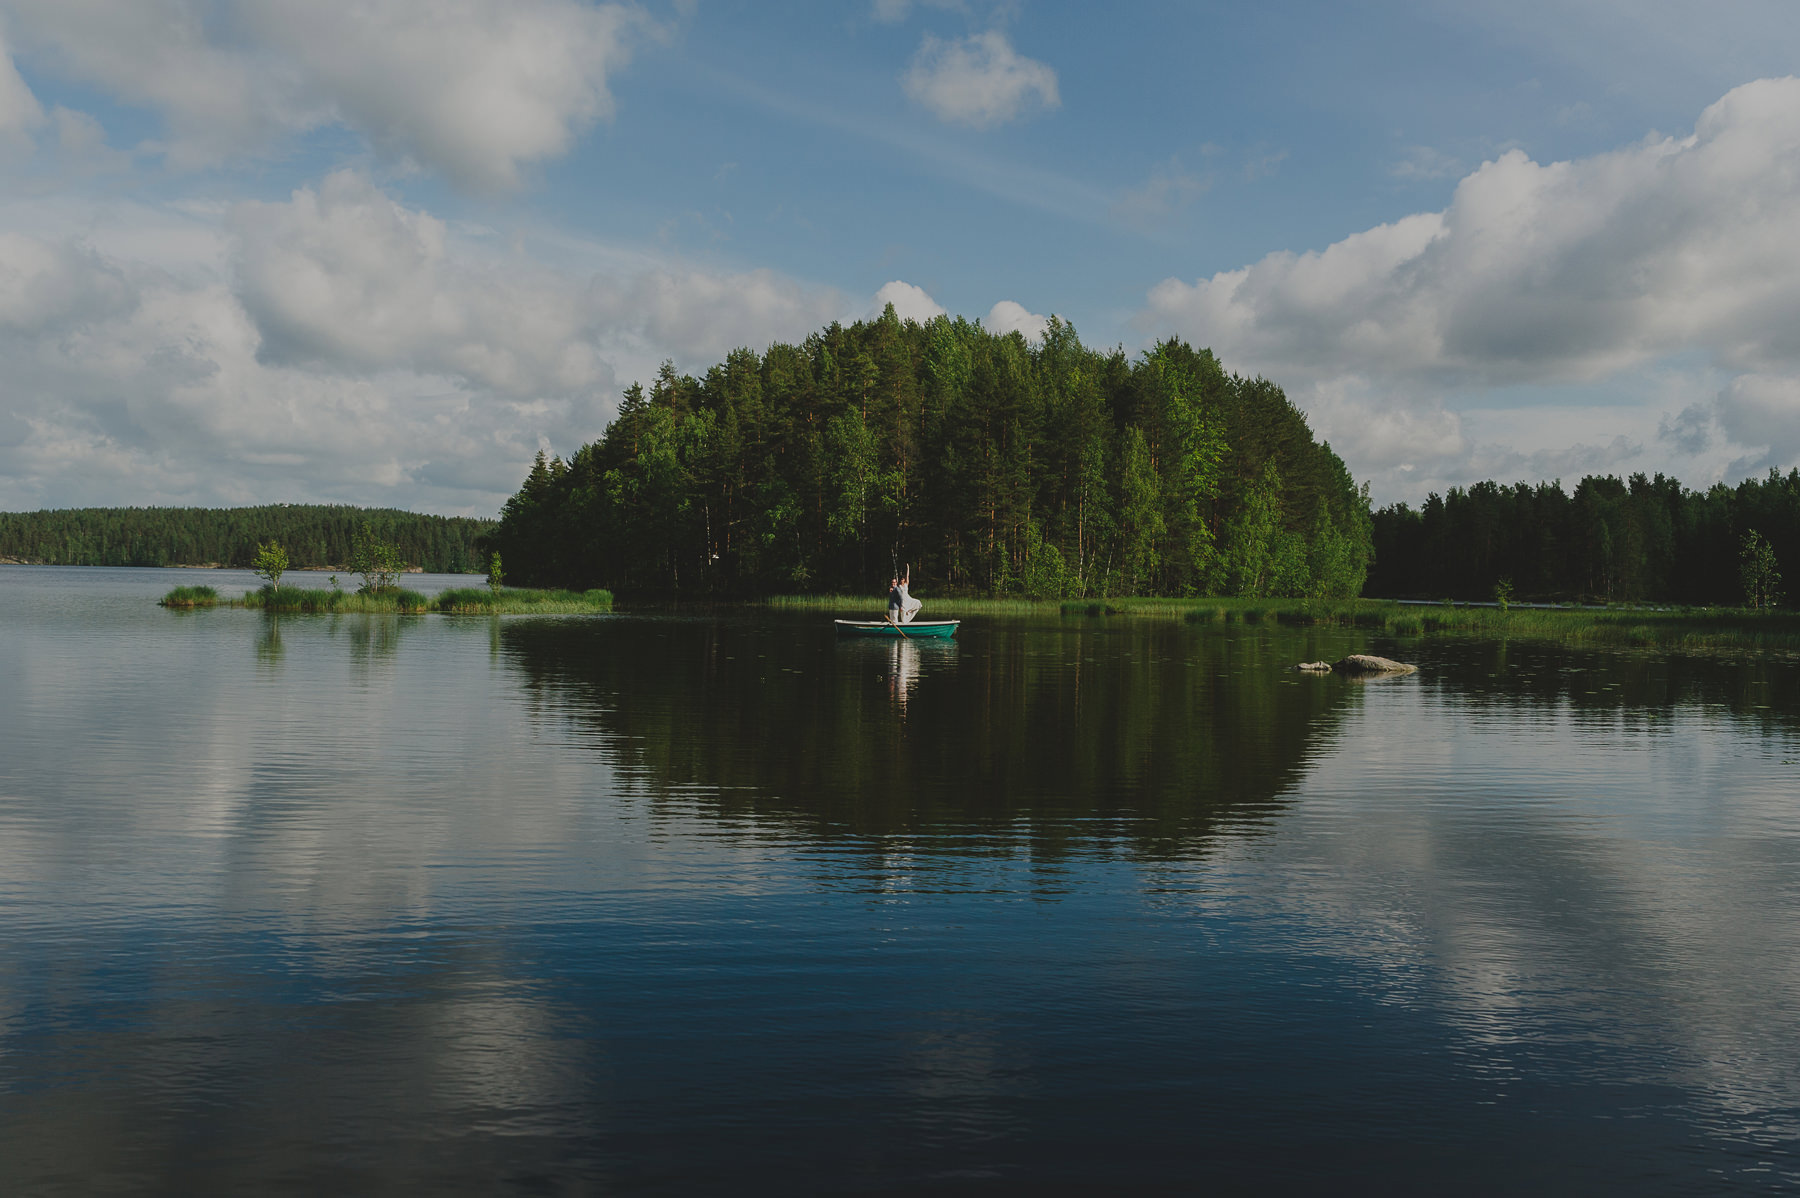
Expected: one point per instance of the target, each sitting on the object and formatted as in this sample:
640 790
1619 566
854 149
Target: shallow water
701 901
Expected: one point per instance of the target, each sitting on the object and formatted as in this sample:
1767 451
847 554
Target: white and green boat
918 628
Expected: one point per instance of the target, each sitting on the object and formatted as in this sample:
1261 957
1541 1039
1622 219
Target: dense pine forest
313 535
1610 540
989 463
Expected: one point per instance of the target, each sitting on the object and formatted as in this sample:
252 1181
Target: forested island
991 464
998 466
316 536
1610 540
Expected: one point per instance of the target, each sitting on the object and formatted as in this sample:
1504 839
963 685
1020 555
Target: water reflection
903 666
1582 863
374 638
670 904
268 641
1526 675
1154 735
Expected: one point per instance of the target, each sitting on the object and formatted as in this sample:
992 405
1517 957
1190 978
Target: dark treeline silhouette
987 462
1610 539
313 535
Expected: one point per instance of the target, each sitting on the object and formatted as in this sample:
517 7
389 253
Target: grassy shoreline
986 606
1693 629
1698 628
399 601
1701 629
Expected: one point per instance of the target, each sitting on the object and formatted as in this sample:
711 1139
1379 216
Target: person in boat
902 607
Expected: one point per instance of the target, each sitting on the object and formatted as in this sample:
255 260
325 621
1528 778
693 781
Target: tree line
1609 540
313 535
989 463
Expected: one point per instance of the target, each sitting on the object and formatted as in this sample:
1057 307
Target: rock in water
1364 663
1314 667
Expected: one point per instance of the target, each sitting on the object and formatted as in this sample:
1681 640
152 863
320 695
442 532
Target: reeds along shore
1694 628
398 600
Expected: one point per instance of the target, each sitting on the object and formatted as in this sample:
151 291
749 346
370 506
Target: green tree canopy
1610 539
990 463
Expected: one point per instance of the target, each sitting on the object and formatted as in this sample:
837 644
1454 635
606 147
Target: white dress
909 607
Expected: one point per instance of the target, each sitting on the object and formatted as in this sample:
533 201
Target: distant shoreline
18 561
315 536
398 600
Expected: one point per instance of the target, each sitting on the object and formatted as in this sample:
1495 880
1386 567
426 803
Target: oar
899 629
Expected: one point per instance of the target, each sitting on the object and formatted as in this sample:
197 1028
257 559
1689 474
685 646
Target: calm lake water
708 902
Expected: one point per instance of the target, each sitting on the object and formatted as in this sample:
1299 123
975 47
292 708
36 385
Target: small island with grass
380 565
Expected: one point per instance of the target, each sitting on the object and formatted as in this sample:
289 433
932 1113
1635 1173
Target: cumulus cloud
81 143
700 316
336 345
1541 274
1009 316
20 112
1689 430
910 302
46 285
1761 411
478 89
347 278
979 80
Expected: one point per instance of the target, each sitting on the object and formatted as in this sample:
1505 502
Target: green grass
319 599
1669 628
190 597
953 606
519 600
1082 607
1696 629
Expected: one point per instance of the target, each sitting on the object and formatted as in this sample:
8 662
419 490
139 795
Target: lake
705 901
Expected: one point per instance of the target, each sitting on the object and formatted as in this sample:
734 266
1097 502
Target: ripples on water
692 902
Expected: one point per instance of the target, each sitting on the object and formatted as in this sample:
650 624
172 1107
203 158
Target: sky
383 251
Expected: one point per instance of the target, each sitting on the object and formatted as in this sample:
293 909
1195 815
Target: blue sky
382 252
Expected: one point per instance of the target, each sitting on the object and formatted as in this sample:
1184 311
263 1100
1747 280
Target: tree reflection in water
1077 734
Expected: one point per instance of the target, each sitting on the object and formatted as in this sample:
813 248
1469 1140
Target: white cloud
479 89
1690 430
1760 411
700 316
81 143
337 345
1538 274
978 80
910 302
20 112
346 278
45 285
1009 316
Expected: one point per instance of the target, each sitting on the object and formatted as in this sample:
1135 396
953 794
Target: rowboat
918 628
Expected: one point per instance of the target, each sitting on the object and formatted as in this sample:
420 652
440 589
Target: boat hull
917 629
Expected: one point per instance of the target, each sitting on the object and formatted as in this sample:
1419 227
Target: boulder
1364 663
